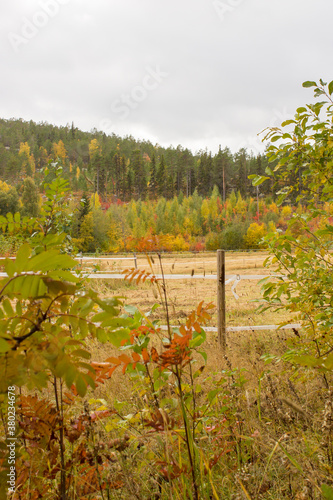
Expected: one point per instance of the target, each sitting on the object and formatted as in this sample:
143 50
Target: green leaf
327 490
118 336
287 122
4 346
81 353
309 84
83 327
130 309
57 286
204 355
8 307
212 394
64 275
258 179
81 385
50 261
10 267
26 286
330 87
88 379
22 257
61 367
70 375
105 320
198 338
301 110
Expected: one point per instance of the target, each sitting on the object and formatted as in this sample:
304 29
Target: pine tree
140 180
205 174
242 181
222 168
84 206
30 198
161 178
153 178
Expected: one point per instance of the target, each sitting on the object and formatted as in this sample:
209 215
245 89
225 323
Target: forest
122 168
127 195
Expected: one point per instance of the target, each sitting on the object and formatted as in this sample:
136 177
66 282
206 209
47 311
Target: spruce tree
153 178
161 178
140 180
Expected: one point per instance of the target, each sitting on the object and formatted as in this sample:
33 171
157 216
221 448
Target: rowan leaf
4 346
309 84
81 385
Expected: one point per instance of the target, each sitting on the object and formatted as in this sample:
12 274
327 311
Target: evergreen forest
129 195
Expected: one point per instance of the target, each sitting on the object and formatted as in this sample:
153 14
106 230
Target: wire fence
197 282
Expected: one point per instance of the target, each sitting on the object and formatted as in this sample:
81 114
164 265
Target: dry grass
276 406
185 294
276 426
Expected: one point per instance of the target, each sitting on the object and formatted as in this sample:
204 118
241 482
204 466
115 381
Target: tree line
122 168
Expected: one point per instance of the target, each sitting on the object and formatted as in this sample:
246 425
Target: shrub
213 241
254 235
233 237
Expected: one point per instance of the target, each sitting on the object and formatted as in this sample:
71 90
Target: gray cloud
233 67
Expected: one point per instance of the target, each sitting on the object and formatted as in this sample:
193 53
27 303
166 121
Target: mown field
246 347
184 294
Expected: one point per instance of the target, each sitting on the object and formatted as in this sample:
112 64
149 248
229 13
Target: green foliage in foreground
41 303
303 253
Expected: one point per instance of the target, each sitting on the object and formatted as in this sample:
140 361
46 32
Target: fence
221 279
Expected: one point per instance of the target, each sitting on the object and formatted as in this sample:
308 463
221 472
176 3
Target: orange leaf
199 308
112 370
145 355
154 355
115 361
136 356
99 366
197 327
124 358
182 330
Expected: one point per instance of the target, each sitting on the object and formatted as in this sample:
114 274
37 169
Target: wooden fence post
221 320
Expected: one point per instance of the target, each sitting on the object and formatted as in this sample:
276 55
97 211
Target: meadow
268 422
185 293
188 421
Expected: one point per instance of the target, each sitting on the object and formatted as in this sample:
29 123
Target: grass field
275 405
264 431
244 347
184 294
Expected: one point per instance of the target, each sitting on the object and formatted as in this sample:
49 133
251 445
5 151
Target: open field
184 294
273 404
240 407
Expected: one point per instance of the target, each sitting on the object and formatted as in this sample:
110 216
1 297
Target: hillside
121 167
126 195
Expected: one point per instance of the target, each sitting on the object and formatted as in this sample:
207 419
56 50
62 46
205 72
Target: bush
8 245
233 237
213 241
254 235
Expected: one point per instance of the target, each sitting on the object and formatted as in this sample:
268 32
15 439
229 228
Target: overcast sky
193 72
